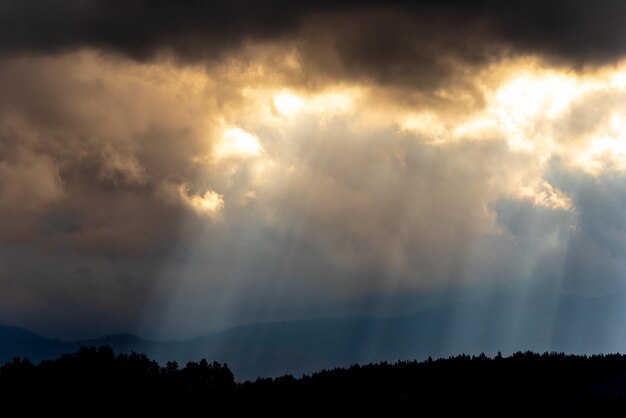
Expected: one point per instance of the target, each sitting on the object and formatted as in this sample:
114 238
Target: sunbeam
294 187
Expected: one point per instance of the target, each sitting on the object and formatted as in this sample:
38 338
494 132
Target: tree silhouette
95 379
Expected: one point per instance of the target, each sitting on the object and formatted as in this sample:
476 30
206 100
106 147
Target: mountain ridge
539 323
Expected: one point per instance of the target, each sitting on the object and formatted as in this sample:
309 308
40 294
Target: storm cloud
177 167
387 40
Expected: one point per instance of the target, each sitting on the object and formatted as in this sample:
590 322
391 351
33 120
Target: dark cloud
578 32
397 41
192 29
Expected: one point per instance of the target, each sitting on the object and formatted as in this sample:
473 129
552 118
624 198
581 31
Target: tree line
95 380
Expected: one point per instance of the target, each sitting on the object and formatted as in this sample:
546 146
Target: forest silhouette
95 379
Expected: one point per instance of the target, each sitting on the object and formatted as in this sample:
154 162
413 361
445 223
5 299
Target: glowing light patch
327 103
601 153
618 80
331 102
529 95
288 104
237 142
547 196
207 204
424 124
210 202
604 148
481 127
520 104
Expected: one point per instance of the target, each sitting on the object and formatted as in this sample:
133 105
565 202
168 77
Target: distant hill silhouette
539 323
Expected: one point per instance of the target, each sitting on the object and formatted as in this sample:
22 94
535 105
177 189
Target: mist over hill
506 324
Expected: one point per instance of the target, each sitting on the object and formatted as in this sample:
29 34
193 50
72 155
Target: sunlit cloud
288 104
339 186
237 142
541 114
208 203
339 101
530 110
605 149
426 125
183 195
547 196
333 102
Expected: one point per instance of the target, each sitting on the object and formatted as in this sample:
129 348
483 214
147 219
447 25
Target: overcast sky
172 168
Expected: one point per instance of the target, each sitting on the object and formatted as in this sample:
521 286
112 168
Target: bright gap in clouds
237 142
288 104
331 102
532 109
209 202
541 114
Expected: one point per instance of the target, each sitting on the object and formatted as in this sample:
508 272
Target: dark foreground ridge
95 379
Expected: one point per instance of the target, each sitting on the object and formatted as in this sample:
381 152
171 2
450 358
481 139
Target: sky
173 168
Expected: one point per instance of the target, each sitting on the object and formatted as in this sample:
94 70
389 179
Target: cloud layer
179 168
